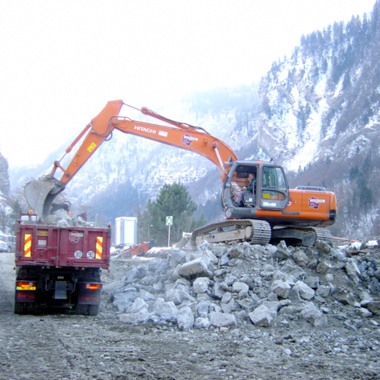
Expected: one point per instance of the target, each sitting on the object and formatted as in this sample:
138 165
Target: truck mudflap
88 301
89 293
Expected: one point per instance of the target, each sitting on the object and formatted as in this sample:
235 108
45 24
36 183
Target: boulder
300 258
241 288
261 316
313 315
185 318
166 311
304 291
280 288
201 284
219 319
194 268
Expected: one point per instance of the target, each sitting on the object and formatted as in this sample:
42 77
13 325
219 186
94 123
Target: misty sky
63 60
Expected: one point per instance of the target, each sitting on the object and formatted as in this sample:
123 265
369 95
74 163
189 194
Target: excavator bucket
40 194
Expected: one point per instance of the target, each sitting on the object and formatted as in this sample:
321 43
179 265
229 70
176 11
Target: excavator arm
40 194
179 135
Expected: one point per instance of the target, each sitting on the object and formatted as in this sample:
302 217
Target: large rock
203 308
300 258
142 316
194 268
281 288
312 314
219 319
353 271
138 305
166 311
373 307
136 274
177 296
261 316
241 288
123 301
304 291
201 285
185 318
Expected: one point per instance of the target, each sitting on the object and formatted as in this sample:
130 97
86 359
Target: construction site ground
66 346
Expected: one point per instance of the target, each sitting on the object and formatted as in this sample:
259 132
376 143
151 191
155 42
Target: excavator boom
40 193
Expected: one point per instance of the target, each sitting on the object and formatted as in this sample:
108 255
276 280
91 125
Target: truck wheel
81 309
93 309
20 308
87 309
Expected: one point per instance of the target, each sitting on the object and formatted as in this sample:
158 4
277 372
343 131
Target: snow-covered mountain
320 117
316 112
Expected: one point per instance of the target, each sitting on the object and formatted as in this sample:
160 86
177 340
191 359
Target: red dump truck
59 267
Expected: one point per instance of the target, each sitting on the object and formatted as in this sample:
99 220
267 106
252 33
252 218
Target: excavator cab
252 186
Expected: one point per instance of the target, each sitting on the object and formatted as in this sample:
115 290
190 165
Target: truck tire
87 309
81 309
20 308
93 309
25 308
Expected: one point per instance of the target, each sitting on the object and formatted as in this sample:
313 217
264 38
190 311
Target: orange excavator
256 199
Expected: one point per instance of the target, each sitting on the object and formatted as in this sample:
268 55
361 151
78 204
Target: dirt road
64 346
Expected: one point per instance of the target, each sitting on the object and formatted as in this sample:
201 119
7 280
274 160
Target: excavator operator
245 197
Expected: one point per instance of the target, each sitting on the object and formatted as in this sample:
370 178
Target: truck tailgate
64 247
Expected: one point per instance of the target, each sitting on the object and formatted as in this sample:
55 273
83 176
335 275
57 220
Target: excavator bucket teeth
40 194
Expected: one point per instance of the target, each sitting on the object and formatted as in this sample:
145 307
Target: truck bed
52 246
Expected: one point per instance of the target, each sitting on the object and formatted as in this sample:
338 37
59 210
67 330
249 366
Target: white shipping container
126 230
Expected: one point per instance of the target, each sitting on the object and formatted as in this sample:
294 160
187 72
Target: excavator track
306 236
258 232
239 230
323 234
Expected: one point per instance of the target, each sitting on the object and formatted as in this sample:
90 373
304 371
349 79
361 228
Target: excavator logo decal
187 139
314 202
145 129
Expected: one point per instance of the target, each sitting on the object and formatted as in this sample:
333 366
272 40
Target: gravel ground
65 346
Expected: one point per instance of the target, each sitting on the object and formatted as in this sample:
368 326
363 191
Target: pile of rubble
219 286
61 218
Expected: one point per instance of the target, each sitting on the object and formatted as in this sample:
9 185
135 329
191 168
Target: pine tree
173 200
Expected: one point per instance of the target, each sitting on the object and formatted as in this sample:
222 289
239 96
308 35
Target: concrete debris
281 288
304 291
261 316
61 218
220 319
225 286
